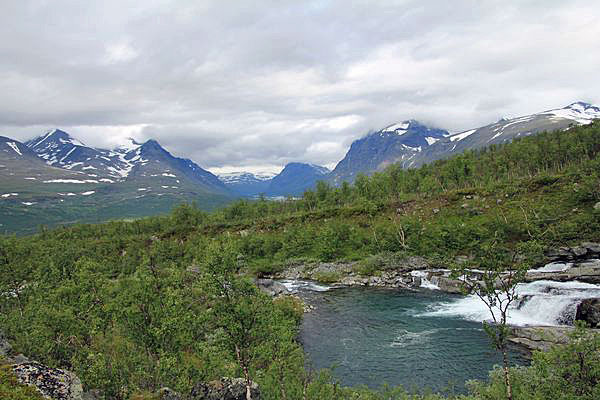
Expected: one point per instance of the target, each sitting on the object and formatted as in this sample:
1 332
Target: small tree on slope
500 270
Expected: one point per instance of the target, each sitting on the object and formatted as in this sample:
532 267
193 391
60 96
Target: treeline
573 152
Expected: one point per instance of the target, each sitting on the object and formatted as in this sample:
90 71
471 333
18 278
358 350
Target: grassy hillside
172 296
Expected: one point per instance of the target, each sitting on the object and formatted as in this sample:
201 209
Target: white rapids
542 302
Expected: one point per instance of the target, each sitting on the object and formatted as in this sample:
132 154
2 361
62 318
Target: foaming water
539 303
376 336
295 286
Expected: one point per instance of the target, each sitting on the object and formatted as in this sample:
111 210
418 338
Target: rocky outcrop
581 263
539 338
447 284
224 389
587 250
272 287
393 273
589 312
56 384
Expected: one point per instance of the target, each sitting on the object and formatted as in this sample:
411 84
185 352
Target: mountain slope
412 144
22 169
508 129
295 178
402 142
59 149
56 179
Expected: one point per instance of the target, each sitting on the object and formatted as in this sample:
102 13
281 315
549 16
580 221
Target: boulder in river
271 287
447 284
589 311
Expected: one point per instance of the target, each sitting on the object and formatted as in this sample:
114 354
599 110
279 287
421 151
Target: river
400 337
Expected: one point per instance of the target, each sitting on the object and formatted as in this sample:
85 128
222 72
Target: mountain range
56 179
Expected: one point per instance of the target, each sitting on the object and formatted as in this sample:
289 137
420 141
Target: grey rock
539 337
5 347
224 389
589 311
56 384
447 284
19 359
560 253
271 287
579 251
416 281
597 206
592 247
168 394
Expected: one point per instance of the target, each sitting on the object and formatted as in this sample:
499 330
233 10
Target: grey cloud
251 83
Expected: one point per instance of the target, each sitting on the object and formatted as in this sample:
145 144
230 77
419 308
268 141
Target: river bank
564 288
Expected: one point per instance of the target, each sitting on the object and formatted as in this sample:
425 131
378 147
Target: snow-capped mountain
246 183
412 144
295 178
507 129
59 149
22 166
243 177
129 161
402 142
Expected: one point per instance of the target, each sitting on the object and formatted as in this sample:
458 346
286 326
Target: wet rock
447 284
224 389
354 281
56 384
589 311
271 287
417 281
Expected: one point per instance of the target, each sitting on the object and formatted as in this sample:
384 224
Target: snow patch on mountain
14 146
242 176
461 136
580 112
399 128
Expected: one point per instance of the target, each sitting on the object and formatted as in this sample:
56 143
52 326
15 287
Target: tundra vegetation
133 306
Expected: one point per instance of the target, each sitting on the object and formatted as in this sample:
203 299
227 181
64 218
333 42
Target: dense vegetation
168 301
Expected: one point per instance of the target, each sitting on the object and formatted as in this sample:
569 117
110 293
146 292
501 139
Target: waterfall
294 286
539 303
425 282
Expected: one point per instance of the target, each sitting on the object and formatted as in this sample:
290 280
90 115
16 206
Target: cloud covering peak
247 84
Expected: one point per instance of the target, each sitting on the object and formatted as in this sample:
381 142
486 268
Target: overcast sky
252 85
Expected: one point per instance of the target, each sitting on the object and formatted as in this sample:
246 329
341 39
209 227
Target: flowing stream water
424 339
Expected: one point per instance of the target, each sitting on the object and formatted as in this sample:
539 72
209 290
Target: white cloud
254 86
120 53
